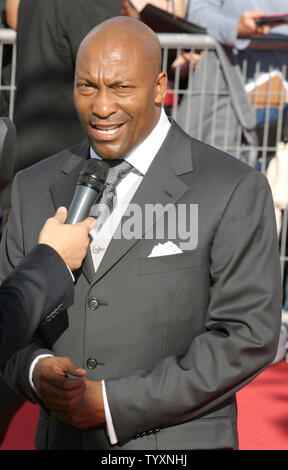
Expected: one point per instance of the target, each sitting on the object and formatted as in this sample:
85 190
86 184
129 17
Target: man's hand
183 60
128 9
11 13
247 24
88 412
54 387
70 241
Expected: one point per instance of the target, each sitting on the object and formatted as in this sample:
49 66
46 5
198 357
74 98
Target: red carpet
262 411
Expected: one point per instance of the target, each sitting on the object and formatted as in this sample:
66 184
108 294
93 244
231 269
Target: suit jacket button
93 304
91 363
155 430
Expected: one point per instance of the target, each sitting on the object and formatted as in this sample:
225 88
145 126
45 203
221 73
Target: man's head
118 85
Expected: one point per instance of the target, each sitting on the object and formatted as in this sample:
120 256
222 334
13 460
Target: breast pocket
177 262
173 290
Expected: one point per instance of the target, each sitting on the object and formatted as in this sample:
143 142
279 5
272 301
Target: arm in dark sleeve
2 11
241 331
13 251
40 286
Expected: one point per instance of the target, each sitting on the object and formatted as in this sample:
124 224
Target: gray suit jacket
174 337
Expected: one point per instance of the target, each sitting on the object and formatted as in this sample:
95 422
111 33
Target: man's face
117 96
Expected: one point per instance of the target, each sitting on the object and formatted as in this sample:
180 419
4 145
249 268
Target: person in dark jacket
41 287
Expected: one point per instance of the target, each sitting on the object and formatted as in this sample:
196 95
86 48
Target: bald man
178 306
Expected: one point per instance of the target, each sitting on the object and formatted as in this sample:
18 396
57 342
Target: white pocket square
164 249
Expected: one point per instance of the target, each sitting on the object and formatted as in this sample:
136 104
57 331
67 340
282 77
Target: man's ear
160 87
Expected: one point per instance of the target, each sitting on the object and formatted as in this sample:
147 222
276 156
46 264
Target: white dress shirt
140 159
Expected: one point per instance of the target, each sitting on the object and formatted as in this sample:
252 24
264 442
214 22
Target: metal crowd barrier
207 98
7 71
201 92
261 97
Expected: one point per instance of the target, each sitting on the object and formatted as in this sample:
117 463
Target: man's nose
104 103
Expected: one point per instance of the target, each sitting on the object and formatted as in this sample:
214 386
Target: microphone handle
83 200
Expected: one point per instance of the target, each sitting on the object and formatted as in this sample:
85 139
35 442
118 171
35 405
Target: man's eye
85 87
123 87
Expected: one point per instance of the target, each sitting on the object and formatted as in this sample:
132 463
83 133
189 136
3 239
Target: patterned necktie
118 169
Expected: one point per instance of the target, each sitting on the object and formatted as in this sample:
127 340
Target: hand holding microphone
70 241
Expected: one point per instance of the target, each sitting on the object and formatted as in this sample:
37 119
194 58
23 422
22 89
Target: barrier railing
202 100
272 92
7 71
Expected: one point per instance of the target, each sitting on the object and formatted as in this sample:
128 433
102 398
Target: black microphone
89 188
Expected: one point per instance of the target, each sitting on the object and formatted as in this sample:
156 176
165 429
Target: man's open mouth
106 132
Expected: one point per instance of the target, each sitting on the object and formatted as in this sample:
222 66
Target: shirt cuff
109 423
73 278
33 364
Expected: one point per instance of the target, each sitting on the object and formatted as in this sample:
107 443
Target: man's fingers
66 367
89 223
61 214
55 371
66 383
266 29
61 389
59 392
57 399
255 13
62 405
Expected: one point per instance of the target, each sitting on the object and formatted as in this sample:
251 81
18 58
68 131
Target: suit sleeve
40 284
242 324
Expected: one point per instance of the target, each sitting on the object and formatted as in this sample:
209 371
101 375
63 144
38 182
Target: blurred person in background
48 36
230 22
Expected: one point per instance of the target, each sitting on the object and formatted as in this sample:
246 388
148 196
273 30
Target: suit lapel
62 191
161 185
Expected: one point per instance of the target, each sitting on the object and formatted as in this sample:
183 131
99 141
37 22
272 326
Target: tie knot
117 170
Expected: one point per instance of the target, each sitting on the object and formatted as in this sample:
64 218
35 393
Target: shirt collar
142 156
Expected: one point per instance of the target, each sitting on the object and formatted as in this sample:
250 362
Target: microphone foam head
94 174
